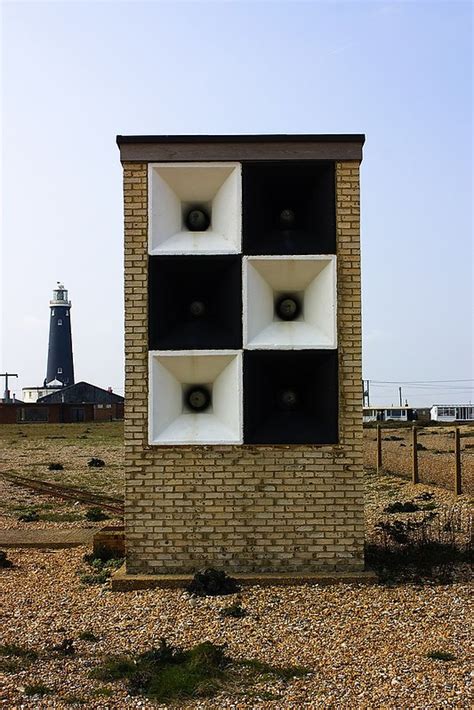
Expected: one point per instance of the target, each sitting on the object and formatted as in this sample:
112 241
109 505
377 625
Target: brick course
245 508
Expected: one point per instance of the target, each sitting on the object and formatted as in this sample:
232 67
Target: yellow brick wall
243 508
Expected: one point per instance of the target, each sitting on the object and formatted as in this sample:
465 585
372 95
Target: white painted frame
315 277
173 187
169 422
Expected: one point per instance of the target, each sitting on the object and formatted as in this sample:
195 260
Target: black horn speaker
195 302
290 397
289 208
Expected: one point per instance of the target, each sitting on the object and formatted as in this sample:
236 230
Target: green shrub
95 514
168 674
12 649
113 668
14 658
236 611
30 516
37 689
88 636
99 570
283 672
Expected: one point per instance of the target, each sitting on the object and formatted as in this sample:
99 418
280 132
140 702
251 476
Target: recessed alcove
289 207
195 302
310 281
177 188
291 397
172 420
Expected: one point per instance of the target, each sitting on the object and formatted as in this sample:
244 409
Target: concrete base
109 542
49 538
123 582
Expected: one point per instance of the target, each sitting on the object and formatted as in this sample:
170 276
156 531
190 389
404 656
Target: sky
75 74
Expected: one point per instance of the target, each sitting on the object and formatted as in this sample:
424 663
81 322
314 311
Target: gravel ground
29 449
366 646
15 500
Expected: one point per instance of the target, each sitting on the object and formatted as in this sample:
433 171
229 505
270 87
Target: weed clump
96 463
426 495
4 561
99 570
55 467
37 689
168 673
434 547
14 658
88 636
438 655
235 611
29 516
65 648
95 514
398 507
211 582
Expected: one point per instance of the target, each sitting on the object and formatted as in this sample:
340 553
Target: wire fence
442 456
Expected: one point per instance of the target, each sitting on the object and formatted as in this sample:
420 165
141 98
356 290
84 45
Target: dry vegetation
395 645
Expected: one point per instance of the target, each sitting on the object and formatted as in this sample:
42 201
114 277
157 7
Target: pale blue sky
76 74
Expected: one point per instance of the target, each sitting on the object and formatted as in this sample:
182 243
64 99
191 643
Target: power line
417 382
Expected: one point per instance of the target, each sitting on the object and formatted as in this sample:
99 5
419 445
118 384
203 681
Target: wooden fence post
379 448
457 469
415 477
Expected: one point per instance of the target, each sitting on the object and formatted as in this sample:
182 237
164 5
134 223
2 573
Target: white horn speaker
289 302
195 398
194 208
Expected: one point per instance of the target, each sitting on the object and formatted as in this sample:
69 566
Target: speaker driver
288 399
287 219
198 399
197 309
288 308
197 220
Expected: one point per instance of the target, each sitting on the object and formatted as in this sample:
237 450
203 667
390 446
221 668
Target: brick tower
243 424
60 368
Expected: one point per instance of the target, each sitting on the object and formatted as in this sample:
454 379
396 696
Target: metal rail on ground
112 503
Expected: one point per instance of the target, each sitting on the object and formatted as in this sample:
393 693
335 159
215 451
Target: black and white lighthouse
60 370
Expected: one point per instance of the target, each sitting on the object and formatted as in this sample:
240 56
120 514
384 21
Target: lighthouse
60 369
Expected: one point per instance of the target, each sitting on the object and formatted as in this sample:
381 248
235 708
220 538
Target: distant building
452 412
81 402
390 414
32 394
82 393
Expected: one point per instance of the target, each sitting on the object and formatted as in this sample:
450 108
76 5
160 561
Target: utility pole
366 393
6 394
